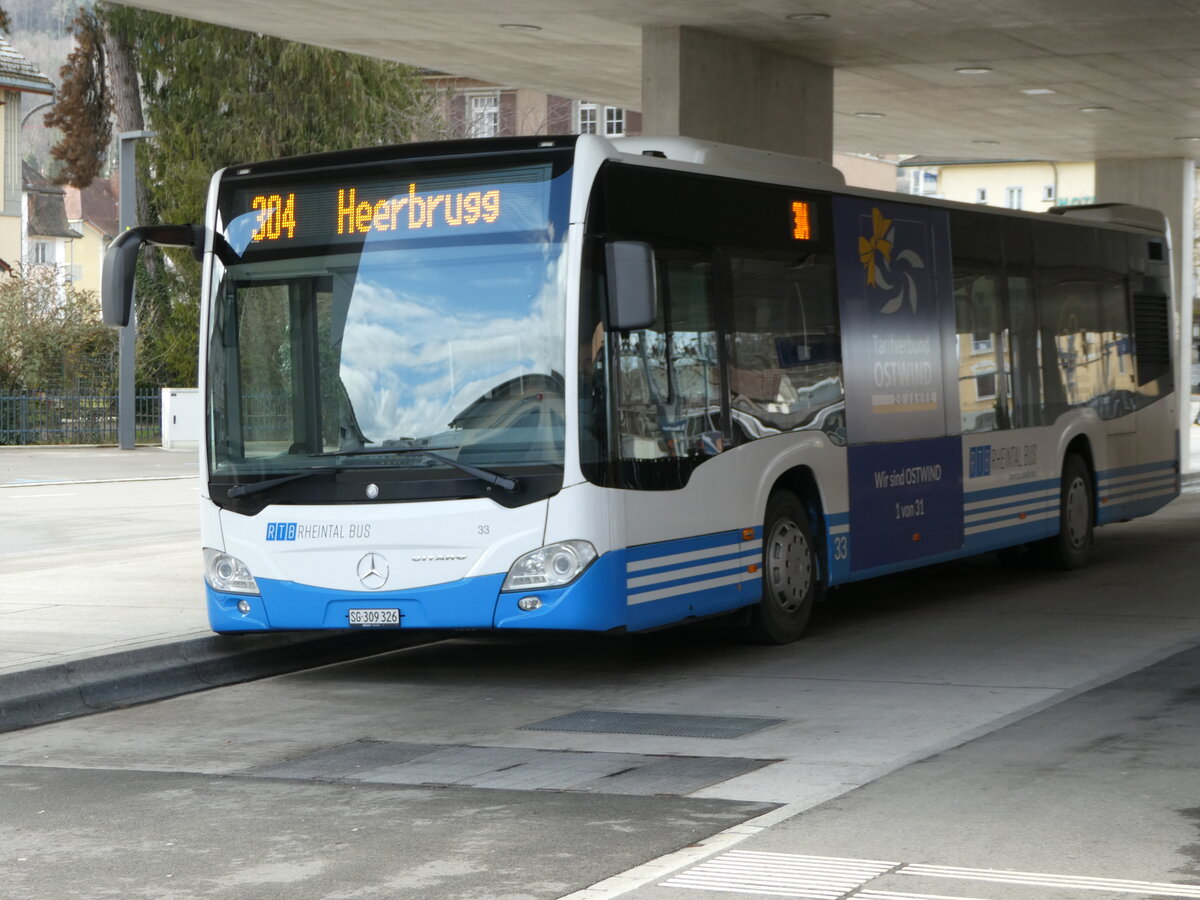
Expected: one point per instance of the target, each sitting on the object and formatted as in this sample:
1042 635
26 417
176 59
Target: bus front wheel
791 578
1070 548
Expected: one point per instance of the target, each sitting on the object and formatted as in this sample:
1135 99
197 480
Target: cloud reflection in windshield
427 337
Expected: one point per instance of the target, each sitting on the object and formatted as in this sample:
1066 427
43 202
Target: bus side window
1026 351
983 370
1076 348
1116 339
984 361
786 355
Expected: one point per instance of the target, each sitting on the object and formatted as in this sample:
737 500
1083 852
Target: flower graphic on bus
880 243
882 271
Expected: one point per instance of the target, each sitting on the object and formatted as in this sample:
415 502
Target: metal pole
127 338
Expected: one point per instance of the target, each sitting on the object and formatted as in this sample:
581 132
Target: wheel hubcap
789 565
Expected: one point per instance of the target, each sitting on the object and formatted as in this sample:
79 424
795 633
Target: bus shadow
977 585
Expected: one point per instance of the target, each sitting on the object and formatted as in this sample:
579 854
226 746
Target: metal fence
36 417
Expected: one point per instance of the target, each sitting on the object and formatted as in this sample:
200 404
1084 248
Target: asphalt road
966 718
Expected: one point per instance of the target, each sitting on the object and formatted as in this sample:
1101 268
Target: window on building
1048 193
985 386
981 195
614 121
592 117
41 253
982 343
1014 197
587 118
484 110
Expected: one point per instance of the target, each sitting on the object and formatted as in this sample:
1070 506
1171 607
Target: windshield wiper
257 487
505 482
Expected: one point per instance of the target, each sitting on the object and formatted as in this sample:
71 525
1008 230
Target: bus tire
791 579
1071 547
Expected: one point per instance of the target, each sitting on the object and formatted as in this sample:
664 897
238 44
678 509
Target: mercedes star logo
373 571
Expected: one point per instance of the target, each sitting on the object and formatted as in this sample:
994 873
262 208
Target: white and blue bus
568 383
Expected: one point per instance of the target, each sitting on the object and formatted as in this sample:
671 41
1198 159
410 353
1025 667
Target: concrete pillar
702 85
1168 185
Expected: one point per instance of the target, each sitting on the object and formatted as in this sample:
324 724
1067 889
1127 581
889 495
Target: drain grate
603 721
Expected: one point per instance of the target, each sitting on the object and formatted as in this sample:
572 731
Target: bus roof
731 157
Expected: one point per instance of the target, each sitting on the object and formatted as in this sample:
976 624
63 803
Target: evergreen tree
214 97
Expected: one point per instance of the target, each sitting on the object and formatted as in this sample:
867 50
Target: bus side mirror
632 285
120 262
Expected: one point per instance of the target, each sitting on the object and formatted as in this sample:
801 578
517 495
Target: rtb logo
979 464
281 531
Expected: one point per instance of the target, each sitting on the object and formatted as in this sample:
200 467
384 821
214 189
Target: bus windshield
358 320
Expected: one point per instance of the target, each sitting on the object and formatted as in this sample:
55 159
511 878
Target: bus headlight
552 566
227 573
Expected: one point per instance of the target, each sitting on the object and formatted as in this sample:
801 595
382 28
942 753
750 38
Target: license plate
374 618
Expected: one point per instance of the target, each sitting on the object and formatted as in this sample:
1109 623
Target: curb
115 680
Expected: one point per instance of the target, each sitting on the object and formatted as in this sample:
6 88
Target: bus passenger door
679 521
902 412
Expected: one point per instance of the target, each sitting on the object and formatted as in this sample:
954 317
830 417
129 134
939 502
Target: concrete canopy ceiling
1134 63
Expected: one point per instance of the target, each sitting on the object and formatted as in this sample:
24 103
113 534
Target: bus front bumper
594 602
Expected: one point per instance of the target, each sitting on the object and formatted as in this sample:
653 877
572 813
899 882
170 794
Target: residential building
45 232
1031 185
467 107
18 76
92 212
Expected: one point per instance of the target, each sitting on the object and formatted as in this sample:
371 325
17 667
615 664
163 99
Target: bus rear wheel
1071 547
791 579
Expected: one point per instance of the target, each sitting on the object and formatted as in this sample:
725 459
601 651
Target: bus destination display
353 210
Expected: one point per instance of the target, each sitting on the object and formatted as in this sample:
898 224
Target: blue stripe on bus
834 519
1011 490
1010 535
682 545
974 526
1159 466
714 576
997 507
1132 509
1133 491
725 557
1155 485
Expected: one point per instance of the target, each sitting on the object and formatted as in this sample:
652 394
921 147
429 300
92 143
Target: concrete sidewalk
101 600
25 466
99 551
